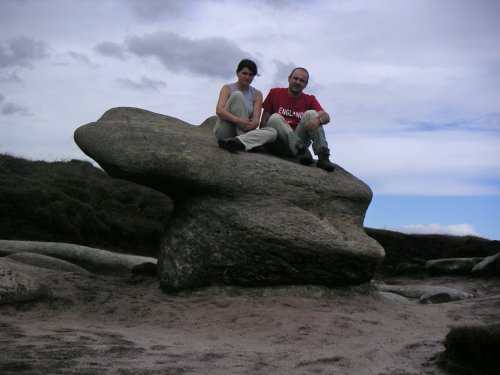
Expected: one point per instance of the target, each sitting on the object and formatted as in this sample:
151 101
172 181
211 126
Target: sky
412 86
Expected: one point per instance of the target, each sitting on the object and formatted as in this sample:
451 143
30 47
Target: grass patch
474 347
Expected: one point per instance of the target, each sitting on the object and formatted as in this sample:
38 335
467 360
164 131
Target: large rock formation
246 218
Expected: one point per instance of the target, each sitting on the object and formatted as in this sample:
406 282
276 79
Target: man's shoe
324 160
231 144
304 156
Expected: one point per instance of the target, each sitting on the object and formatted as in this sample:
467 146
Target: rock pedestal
248 218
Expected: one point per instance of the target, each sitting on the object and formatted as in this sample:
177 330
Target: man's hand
313 124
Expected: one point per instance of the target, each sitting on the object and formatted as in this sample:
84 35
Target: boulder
490 266
424 293
17 286
452 266
442 296
393 297
246 218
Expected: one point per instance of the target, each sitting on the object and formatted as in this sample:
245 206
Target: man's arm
323 118
264 119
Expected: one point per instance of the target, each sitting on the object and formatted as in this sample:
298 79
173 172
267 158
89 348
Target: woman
238 110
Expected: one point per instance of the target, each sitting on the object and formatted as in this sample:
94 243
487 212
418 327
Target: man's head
297 81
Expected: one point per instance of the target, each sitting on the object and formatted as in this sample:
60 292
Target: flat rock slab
89 258
452 266
425 293
45 261
247 218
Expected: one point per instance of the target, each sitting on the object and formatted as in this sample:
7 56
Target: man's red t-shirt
290 107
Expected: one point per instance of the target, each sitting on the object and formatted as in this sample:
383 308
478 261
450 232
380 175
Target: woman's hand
246 125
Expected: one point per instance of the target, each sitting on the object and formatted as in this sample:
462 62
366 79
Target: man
298 118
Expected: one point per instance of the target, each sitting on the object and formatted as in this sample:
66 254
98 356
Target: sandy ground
110 325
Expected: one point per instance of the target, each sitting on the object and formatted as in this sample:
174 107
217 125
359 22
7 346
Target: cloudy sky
413 87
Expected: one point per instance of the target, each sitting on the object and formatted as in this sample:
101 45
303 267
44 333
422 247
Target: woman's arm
257 109
225 92
223 113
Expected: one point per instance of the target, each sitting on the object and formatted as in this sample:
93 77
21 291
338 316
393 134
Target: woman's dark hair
246 63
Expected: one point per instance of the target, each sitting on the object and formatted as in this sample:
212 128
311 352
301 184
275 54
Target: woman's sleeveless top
249 96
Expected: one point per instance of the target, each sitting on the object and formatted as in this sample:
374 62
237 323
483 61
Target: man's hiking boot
304 155
231 144
324 160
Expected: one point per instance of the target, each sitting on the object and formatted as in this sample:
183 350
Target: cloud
283 70
154 9
111 49
22 51
82 58
143 85
9 77
453 163
8 108
452 230
212 57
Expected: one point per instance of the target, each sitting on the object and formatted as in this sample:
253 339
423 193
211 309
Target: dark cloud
144 84
151 10
8 109
9 77
207 57
111 49
154 9
22 51
283 70
82 58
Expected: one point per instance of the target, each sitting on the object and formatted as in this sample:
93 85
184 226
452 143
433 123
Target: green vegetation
474 347
416 248
78 203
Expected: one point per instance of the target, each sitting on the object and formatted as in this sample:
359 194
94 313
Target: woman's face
245 76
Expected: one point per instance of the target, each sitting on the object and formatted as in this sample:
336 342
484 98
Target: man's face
297 82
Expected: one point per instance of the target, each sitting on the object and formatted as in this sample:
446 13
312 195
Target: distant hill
75 202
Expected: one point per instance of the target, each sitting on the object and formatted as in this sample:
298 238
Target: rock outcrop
88 258
424 293
246 218
17 286
490 266
451 266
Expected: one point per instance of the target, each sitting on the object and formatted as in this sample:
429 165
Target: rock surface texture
81 258
246 218
17 286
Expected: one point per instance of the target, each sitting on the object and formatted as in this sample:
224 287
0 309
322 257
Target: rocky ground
96 324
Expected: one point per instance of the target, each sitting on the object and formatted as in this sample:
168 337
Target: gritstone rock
452 266
490 266
91 259
17 286
243 219
44 261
